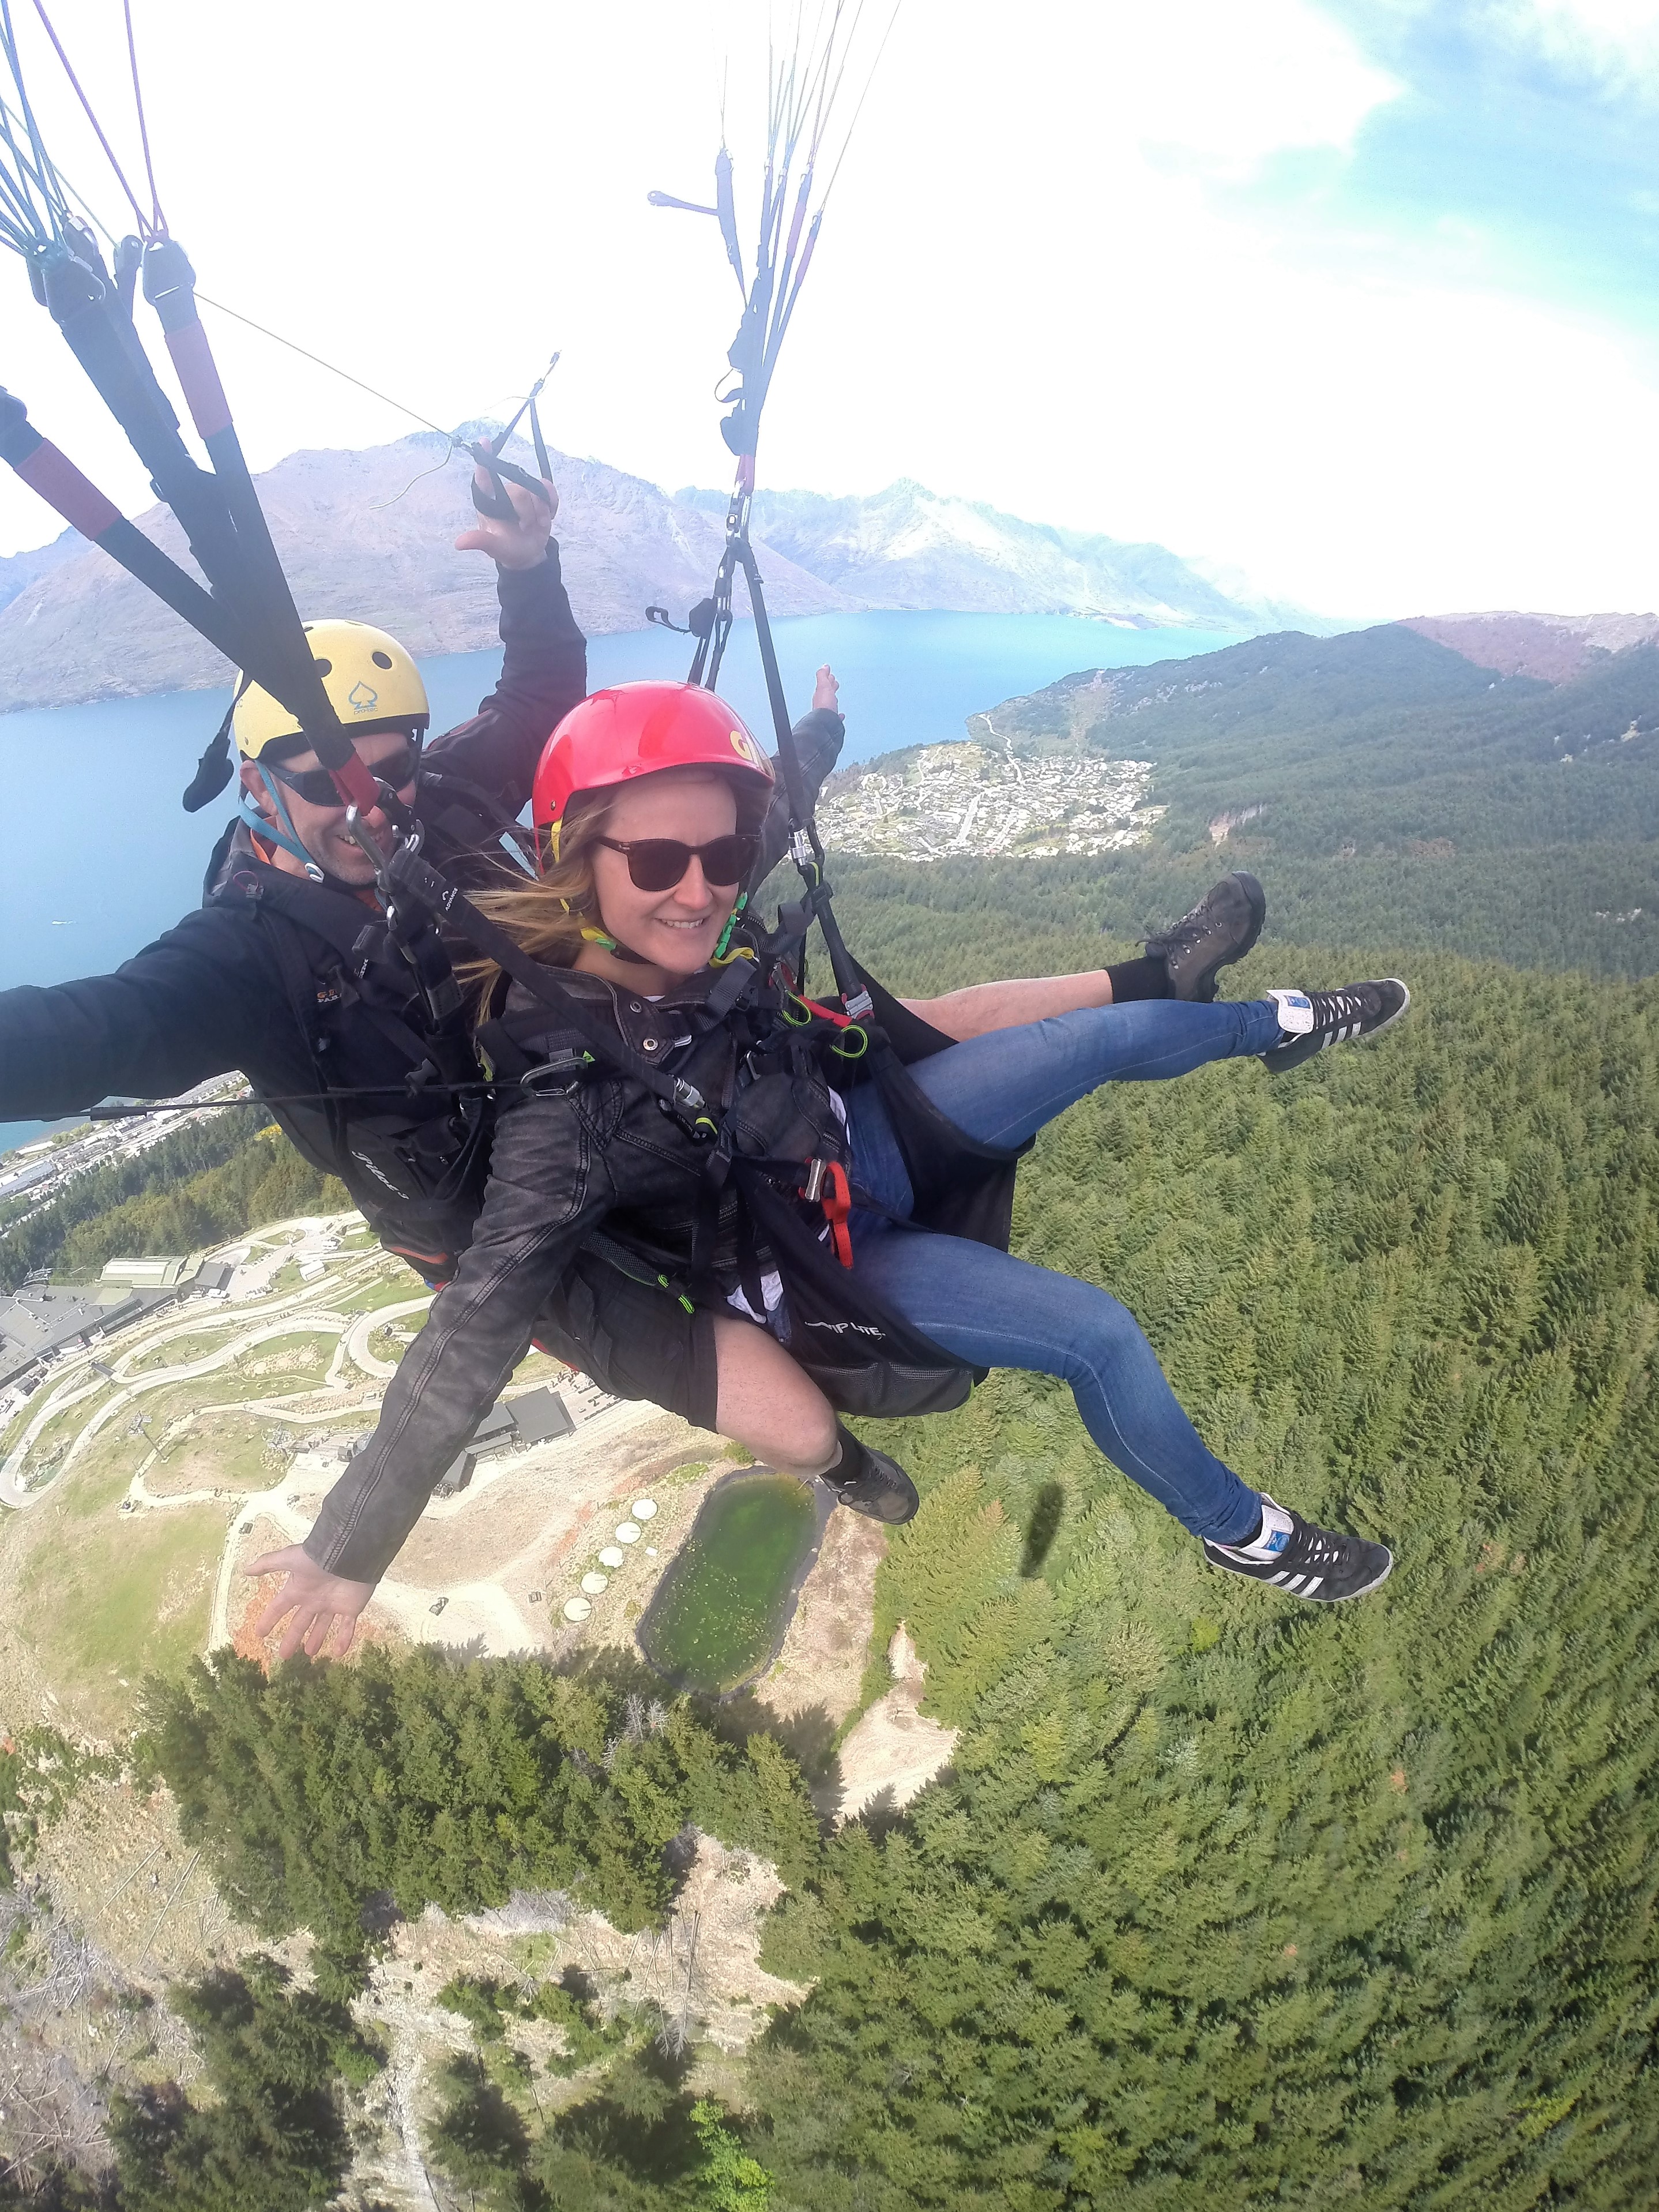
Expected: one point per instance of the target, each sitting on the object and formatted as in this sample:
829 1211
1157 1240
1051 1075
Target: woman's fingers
316 1605
295 1634
284 1563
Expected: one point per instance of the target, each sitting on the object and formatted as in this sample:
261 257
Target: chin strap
616 951
285 837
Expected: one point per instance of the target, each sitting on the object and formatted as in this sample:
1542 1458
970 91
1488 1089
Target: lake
97 856
722 1610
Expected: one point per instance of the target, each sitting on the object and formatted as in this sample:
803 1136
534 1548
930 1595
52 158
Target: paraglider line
146 227
415 415
143 125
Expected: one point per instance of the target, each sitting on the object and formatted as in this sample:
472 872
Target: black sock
1147 978
848 1462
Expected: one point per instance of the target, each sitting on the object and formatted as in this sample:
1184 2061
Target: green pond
721 1610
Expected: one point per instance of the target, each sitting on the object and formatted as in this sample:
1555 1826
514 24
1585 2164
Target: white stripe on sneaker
1280 1576
1314 1581
1295 1581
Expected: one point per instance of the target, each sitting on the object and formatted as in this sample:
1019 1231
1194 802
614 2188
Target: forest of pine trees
201 1185
1225 1900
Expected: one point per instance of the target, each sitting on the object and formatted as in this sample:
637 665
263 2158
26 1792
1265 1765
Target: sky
1355 297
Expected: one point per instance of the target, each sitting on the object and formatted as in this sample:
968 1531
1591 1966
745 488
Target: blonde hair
548 918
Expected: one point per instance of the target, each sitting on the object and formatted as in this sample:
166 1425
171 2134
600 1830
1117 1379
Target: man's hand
826 691
518 544
319 1605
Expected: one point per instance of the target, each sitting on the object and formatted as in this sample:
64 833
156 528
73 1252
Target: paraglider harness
775 1143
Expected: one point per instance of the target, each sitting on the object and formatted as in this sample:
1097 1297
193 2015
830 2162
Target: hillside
1218 1901
1552 646
1222 1901
369 534
1377 780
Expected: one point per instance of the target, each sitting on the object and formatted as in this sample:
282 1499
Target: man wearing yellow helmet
290 800
286 972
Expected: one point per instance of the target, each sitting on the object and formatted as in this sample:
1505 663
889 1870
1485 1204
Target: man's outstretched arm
544 670
199 1002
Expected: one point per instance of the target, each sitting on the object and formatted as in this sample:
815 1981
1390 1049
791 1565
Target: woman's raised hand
318 1605
826 691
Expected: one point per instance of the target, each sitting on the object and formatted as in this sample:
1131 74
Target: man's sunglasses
657 864
318 787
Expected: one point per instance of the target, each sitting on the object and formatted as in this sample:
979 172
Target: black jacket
563 1163
258 978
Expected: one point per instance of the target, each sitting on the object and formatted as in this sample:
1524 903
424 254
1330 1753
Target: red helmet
635 729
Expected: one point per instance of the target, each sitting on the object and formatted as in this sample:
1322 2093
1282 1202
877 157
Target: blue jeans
993 1310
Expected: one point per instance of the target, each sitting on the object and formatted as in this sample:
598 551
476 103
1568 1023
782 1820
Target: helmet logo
362 698
746 749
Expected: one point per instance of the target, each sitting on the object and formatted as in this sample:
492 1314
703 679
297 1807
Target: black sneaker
1221 929
1327 1017
869 1483
1311 1562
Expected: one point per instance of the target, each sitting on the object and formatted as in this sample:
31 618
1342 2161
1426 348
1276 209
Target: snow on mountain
911 548
369 534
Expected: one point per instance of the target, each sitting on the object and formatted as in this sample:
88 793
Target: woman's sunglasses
318 787
657 864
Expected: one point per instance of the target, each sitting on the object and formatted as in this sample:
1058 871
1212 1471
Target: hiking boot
1303 1561
1314 1019
1221 929
869 1483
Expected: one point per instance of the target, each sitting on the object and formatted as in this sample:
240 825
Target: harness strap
409 877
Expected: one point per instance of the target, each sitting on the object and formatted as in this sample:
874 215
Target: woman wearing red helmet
650 802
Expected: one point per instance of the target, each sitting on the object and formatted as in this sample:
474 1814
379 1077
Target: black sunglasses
657 864
318 787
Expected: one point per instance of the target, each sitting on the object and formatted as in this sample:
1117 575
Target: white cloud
1227 85
1025 290
1612 42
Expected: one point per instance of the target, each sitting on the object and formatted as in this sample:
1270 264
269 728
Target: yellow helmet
371 683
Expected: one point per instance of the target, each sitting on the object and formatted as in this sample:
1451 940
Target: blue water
97 856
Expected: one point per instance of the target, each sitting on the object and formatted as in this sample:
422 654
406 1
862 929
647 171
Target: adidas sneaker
1312 1020
1292 1556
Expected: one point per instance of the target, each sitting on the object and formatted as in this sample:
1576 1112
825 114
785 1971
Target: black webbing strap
409 878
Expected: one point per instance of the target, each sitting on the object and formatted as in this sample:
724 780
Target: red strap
828 1013
836 1199
356 785
62 485
198 377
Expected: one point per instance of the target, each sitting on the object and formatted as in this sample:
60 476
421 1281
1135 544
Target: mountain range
907 547
369 533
